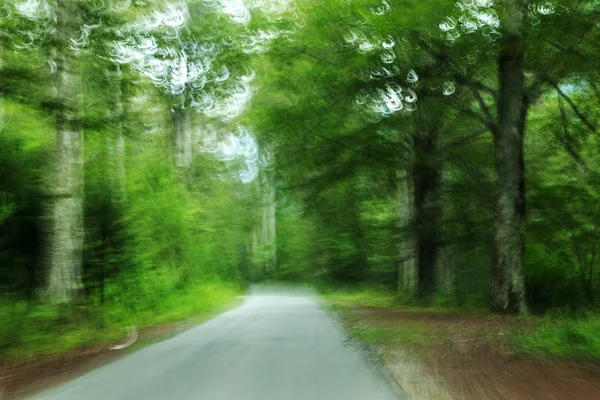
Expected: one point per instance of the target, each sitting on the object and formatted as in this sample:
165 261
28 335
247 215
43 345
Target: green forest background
359 146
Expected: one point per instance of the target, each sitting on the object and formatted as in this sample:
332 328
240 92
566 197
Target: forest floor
451 355
22 379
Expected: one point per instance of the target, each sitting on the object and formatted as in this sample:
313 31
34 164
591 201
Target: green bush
374 296
564 340
30 331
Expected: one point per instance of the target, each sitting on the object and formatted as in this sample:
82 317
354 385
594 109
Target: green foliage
343 163
167 250
30 330
350 193
369 335
563 339
365 296
24 153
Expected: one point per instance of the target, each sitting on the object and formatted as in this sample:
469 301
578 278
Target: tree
508 286
527 47
66 211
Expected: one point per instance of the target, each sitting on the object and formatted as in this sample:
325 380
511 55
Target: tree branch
567 140
464 140
474 114
574 107
304 53
445 58
564 49
485 109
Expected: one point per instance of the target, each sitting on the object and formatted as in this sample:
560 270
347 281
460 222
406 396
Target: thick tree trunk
426 183
66 210
406 248
182 137
508 286
445 270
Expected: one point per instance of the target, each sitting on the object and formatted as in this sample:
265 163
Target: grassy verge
379 338
562 339
374 296
32 332
366 296
436 354
550 337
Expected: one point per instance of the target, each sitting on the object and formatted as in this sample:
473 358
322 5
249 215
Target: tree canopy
444 150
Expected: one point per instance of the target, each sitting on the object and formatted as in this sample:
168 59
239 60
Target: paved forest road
274 347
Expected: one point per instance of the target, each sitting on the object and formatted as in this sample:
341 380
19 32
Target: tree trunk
426 178
406 250
273 229
116 145
268 225
359 266
256 256
590 279
1 89
445 269
182 137
508 286
445 272
66 210
113 249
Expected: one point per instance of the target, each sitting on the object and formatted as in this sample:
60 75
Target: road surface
274 347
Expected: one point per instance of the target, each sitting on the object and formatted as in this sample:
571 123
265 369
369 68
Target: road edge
104 356
363 350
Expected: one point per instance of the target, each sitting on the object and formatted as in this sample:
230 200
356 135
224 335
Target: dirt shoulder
456 356
19 380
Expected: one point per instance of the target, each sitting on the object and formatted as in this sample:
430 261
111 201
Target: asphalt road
274 347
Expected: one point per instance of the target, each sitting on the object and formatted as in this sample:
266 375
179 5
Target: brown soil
25 379
471 358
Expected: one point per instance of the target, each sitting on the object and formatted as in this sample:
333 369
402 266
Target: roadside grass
377 296
369 296
564 339
413 335
34 331
554 336
377 337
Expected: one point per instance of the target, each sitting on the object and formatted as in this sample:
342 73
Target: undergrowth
33 331
555 336
371 296
562 339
